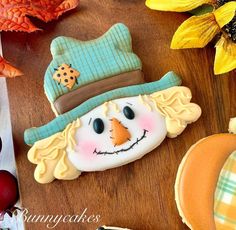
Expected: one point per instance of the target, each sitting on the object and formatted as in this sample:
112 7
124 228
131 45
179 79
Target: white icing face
131 130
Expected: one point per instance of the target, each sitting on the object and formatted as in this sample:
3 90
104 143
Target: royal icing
197 178
66 75
225 195
126 132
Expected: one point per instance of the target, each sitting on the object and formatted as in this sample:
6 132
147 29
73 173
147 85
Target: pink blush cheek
147 122
86 149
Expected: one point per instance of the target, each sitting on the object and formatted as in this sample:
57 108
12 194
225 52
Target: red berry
8 190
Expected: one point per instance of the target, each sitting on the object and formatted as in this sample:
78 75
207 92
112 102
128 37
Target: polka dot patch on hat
66 75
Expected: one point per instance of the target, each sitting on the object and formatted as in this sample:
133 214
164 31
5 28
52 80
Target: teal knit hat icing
107 56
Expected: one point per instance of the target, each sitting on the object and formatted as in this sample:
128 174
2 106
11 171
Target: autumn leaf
7 70
13 13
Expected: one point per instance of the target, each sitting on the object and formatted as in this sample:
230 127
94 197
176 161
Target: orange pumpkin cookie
205 188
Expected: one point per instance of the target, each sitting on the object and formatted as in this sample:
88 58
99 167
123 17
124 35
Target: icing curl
106 107
51 158
174 104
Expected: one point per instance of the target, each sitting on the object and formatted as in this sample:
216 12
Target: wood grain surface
139 195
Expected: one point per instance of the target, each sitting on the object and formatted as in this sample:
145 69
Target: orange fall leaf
13 13
13 17
7 70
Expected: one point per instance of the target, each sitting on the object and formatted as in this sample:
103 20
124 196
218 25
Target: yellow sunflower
198 31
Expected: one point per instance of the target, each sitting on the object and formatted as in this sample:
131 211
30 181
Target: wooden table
139 195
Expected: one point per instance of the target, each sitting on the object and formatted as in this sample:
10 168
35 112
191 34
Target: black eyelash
90 121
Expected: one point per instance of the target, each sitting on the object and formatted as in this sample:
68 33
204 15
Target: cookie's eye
0 144
98 125
128 112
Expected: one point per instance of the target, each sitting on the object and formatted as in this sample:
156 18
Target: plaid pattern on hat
95 60
225 196
98 59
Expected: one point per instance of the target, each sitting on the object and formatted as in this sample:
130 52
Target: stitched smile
123 150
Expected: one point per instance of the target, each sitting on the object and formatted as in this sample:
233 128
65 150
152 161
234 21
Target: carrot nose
120 134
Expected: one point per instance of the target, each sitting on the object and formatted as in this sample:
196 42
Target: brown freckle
66 80
65 74
62 68
71 71
58 75
71 78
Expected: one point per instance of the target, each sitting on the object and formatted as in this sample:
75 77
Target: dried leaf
13 13
7 70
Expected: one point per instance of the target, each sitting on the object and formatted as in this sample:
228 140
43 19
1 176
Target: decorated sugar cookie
205 188
108 116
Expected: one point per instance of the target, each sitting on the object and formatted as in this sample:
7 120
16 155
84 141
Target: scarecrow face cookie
113 134
205 184
116 133
111 117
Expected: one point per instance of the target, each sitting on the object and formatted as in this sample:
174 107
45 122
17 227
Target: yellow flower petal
225 13
225 59
196 32
176 5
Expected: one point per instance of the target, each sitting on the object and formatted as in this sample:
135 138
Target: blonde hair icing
174 104
51 158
